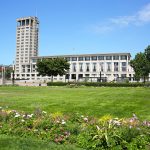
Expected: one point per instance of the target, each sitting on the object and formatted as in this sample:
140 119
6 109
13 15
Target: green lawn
119 102
18 143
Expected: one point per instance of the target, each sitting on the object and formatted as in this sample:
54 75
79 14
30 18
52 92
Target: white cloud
122 20
139 18
101 29
144 14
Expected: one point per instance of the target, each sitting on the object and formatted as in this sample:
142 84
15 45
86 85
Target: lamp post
2 74
13 74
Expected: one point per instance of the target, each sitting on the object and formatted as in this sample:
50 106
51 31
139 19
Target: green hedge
98 84
57 84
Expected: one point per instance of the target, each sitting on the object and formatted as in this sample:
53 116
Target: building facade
87 67
26 43
84 67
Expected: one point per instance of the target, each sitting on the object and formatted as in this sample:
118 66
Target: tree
147 53
141 64
8 71
52 67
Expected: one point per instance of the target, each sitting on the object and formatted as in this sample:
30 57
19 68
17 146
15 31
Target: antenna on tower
36 12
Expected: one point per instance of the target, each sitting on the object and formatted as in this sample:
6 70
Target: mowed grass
118 102
19 143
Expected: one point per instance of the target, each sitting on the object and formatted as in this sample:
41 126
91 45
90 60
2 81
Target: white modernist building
26 42
89 67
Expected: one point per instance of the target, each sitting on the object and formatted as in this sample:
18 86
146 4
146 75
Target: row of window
22 31
29 27
101 67
87 58
75 76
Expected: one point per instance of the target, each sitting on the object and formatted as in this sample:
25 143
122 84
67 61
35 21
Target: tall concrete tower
26 44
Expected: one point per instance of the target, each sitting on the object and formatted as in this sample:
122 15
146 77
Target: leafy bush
106 84
98 84
57 84
84 131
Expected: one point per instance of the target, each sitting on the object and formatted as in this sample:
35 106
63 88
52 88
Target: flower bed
84 131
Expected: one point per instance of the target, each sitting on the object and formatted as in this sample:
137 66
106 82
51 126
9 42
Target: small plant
85 131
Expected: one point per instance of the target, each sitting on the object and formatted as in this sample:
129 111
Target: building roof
83 55
24 18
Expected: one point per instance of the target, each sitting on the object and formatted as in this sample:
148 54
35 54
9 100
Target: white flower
17 115
85 119
63 122
22 120
44 112
134 116
35 130
116 122
30 116
98 128
57 121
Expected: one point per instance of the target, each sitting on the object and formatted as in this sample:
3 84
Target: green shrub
106 84
98 84
57 84
86 132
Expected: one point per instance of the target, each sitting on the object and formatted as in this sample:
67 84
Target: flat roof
24 18
83 55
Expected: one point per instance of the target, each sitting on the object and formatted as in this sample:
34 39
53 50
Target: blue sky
78 26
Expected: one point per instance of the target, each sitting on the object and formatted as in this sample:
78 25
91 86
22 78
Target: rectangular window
94 57
94 67
87 75
74 67
81 67
124 67
102 66
87 67
108 57
87 58
100 57
116 68
80 59
108 66
80 76
23 66
115 57
74 58
73 76
34 60
67 76
124 57
124 64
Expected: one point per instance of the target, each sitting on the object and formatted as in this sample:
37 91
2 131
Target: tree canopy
141 64
52 67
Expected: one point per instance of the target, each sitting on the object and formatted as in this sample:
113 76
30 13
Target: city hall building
89 67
